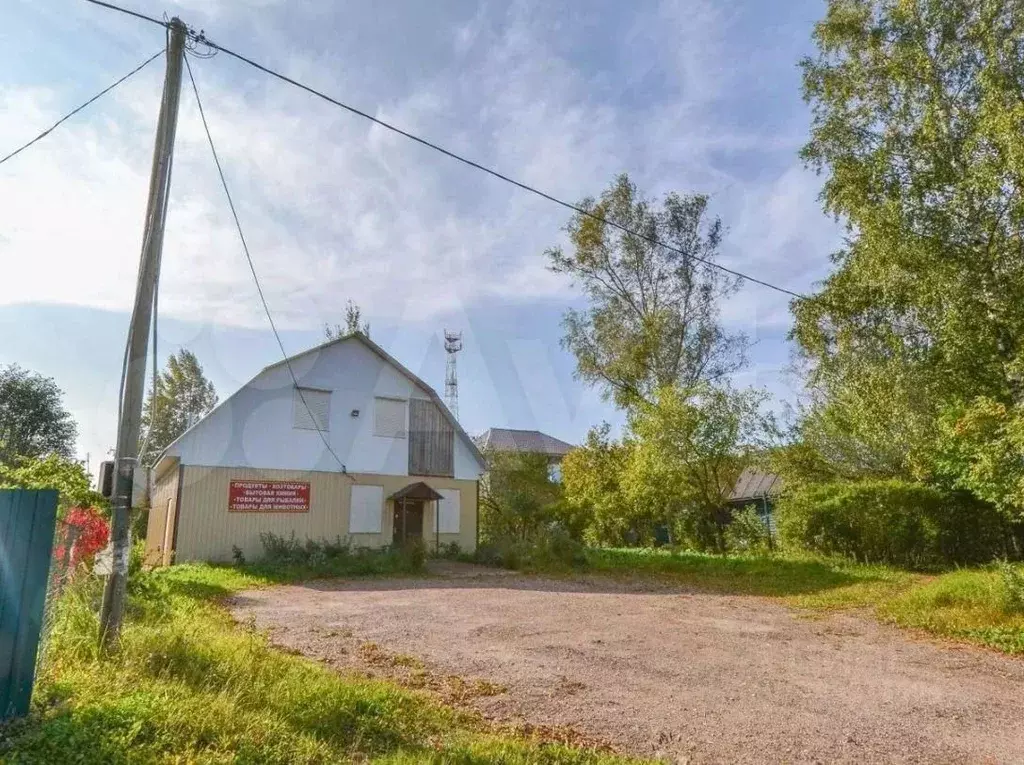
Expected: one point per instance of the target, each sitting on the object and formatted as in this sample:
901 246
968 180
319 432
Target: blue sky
685 95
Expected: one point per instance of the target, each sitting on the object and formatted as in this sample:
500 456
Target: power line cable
252 269
136 14
495 173
77 109
201 38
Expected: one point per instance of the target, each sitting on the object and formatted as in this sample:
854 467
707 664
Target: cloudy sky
685 95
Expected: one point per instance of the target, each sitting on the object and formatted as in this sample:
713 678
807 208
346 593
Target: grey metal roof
531 441
754 483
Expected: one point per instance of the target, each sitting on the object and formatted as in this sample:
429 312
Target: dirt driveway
688 677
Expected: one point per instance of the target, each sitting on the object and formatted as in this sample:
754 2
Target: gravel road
664 673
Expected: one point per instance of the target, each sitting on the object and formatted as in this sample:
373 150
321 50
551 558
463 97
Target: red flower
90 531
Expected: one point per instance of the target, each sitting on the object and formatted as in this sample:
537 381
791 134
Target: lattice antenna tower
452 345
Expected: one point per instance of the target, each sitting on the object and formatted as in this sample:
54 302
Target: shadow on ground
770 577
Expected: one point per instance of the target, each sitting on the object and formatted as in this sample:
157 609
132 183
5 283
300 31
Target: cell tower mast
452 345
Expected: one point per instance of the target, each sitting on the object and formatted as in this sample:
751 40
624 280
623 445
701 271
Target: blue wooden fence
27 519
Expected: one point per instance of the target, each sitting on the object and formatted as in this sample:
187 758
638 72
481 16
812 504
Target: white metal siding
255 427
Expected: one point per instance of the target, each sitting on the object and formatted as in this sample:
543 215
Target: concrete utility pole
126 457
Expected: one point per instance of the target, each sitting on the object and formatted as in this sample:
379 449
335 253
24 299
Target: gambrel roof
372 346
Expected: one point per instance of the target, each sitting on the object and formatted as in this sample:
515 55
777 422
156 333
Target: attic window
389 417
311 409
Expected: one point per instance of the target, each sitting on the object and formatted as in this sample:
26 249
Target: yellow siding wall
162 502
207 531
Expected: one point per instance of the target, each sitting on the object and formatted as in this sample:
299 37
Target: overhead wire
201 38
136 14
79 108
501 176
252 270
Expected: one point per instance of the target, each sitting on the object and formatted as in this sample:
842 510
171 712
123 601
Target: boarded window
389 417
311 409
431 440
450 511
366 509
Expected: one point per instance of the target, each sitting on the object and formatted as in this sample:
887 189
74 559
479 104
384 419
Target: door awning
418 490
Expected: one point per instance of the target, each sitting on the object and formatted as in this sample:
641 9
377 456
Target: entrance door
408 521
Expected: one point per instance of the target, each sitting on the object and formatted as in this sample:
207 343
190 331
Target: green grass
188 685
970 605
774 576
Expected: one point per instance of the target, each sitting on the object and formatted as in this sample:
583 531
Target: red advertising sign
268 497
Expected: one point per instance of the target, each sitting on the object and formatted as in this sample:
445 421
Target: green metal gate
27 519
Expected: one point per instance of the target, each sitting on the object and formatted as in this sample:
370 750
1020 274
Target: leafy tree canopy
33 420
182 395
54 471
689 449
591 478
675 466
517 497
653 318
917 107
980 450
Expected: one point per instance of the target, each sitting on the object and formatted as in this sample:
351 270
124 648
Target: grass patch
973 605
811 580
983 606
188 685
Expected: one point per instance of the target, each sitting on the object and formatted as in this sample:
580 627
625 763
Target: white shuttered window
315 413
389 417
450 511
366 509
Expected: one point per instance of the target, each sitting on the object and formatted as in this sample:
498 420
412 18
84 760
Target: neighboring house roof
755 484
530 441
380 352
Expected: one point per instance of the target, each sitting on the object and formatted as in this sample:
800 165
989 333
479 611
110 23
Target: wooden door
408 521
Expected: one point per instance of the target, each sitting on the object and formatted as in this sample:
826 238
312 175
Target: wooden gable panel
431 440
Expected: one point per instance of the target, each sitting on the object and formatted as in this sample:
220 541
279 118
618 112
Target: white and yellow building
269 459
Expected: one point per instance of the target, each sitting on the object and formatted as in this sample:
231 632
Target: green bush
700 529
1013 585
747 533
549 548
338 558
890 522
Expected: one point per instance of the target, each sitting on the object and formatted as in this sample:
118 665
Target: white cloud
334 207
